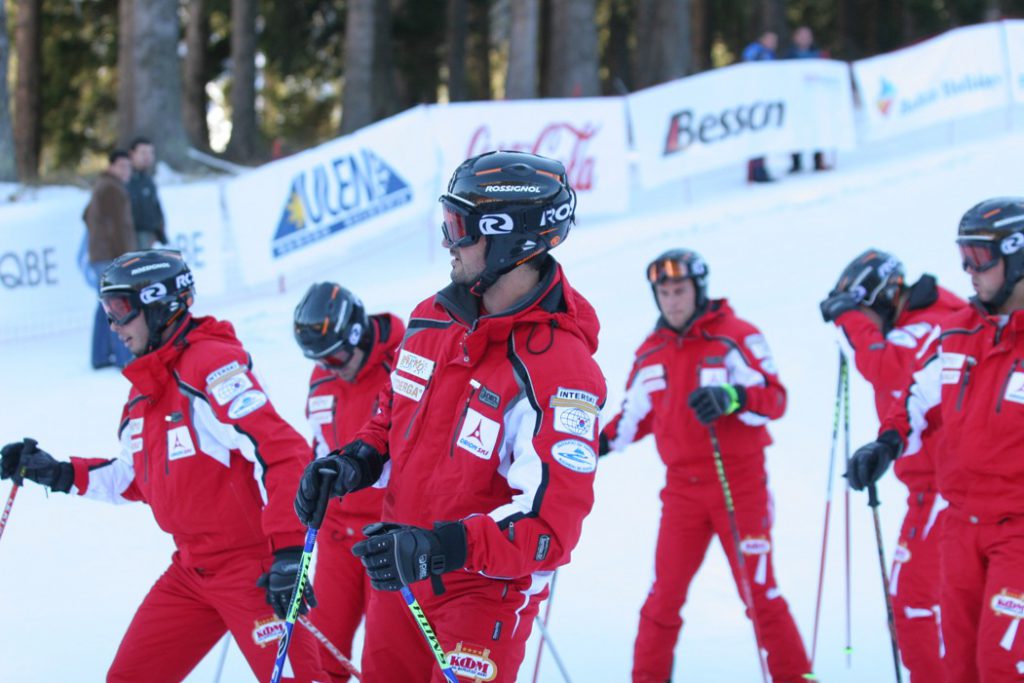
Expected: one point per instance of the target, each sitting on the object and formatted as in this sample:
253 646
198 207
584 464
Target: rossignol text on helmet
876 279
330 321
678 264
520 202
156 283
991 231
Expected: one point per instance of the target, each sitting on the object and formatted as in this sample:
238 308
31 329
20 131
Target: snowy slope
72 571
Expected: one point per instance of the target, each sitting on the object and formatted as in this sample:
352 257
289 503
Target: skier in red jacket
884 324
970 387
354 356
203 446
704 366
486 437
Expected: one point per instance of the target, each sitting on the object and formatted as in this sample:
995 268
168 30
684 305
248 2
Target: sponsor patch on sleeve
407 387
479 434
415 365
759 348
575 421
575 455
317 403
131 437
179 443
222 371
247 403
229 386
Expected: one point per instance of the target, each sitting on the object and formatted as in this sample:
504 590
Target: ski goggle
979 255
455 225
121 308
337 360
666 269
464 224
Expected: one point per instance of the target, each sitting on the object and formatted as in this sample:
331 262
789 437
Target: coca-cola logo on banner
563 141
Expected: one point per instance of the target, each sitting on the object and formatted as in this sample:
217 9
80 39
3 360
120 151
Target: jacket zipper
969 362
1006 382
462 418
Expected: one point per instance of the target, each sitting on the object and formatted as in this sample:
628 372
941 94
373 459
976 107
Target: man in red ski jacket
487 434
354 355
884 324
704 368
970 388
203 446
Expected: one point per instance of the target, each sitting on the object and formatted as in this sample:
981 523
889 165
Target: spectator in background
147 213
108 220
803 48
762 49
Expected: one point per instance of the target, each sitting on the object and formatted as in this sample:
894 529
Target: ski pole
748 593
428 633
7 509
299 589
345 662
223 657
543 632
554 653
873 504
828 506
846 493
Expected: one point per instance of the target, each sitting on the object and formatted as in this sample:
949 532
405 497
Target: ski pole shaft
748 593
345 662
7 508
554 653
873 504
222 657
846 494
299 589
828 506
543 631
428 633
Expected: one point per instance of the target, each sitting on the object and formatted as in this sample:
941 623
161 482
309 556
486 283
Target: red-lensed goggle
979 255
455 225
666 269
121 308
337 360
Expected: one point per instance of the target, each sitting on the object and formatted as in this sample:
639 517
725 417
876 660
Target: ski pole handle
873 496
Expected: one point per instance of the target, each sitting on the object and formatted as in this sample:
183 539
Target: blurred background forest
252 80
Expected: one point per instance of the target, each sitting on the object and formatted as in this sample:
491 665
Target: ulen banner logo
335 195
886 97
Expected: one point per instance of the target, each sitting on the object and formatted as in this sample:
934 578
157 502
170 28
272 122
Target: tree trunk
197 35
244 143
478 51
663 41
702 34
521 80
8 168
156 80
360 36
27 115
573 58
457 30
385 94
125 71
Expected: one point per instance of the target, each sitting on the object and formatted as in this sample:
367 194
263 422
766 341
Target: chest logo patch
179 443
318 403
415 365
575 455
407 387
713 377
479 434
1015 388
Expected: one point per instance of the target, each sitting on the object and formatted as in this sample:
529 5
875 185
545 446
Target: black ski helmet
156 283
990 231
520 202
330 319
678 264
876 279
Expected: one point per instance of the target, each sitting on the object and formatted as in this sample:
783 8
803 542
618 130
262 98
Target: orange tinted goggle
978 255
454 227
667 269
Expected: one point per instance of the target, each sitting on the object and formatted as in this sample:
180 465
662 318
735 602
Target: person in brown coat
108 219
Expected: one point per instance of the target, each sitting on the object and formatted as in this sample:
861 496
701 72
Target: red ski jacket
492 419
971 388
336 409
887 361
203 446
717 348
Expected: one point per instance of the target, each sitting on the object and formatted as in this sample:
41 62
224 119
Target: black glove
396 555
280 582
354 467
603 447
711 403
869 462
838 303
21 461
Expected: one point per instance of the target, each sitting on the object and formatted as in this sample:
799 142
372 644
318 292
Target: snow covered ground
73 571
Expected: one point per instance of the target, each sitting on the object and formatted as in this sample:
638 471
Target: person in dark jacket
108 220
803 48
147 213
761 50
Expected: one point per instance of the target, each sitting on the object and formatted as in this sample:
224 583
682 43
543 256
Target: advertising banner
957 74
1013 32
728 115
195 227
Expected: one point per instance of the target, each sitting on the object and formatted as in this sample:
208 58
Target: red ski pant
187 611
914 586
982 599
693 512
342 588
482 625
